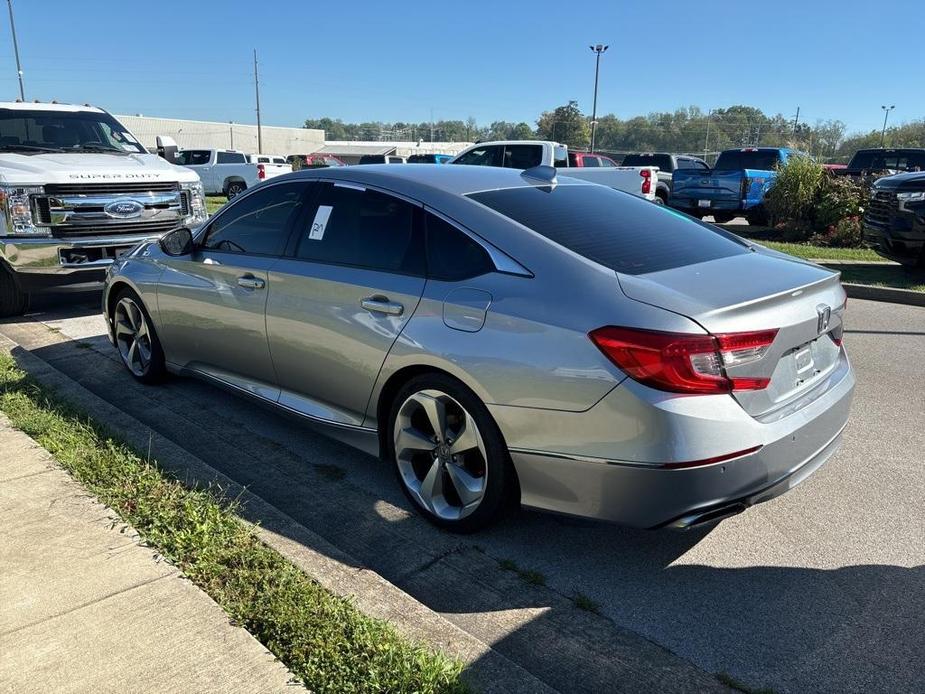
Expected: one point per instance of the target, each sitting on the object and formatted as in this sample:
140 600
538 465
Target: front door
213 302
338 306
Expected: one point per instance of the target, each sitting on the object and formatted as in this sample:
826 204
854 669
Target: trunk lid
758 291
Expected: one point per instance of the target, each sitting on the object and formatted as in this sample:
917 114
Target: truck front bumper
44 262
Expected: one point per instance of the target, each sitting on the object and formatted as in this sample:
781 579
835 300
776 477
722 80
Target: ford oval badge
123 209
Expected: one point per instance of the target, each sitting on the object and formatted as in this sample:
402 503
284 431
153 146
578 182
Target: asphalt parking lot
820 590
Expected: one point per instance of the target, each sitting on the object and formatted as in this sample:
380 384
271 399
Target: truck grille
84 209
111 188
143 227
880 208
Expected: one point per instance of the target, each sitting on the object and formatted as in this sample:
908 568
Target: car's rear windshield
881 159
662 161
617 230
735 160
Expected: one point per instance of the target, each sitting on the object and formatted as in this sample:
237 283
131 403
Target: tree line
688 130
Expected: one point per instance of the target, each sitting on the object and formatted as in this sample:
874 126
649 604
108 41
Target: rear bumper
692 206
649 496
45 262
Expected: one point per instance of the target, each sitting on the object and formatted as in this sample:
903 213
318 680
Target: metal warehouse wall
207 134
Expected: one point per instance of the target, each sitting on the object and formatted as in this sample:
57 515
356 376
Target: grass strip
803 250
323 639
214 202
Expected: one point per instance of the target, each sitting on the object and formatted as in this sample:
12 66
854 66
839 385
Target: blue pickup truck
735 187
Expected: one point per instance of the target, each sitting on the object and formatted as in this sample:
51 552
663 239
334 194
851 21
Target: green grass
214 202
808 252
534 578
323 639
881 276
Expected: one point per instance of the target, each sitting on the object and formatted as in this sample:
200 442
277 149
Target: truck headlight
197 200
913 196
16 211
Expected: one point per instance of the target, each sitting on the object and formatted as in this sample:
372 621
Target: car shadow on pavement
521 585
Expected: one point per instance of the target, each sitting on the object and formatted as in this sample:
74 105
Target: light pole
22 92
597 49
886 114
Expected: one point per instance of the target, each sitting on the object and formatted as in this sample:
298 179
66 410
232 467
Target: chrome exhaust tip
713 515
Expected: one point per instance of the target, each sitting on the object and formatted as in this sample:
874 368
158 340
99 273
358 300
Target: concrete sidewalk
85 607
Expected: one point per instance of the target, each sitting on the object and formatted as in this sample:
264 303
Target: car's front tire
13 300
136 338
449 455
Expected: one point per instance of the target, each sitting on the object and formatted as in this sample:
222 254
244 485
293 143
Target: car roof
457 179
45 106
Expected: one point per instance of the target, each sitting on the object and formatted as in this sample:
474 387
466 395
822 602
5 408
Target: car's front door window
259 223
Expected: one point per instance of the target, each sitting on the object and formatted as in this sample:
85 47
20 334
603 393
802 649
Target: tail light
646 181
746 184
684 363
261 172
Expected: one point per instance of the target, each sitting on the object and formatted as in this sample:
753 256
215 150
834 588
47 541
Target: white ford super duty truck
526 154
77 190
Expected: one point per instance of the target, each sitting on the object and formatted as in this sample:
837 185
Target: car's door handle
251 282
381 304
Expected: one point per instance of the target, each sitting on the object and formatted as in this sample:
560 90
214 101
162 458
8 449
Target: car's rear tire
136 339
234 188
458 479
13 300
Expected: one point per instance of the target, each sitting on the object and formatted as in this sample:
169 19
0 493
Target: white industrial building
195 134
190 134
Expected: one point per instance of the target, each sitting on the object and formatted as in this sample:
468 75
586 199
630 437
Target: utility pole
597 50
796 121
431 125
257 93
231 132
706 139
22 91
886 114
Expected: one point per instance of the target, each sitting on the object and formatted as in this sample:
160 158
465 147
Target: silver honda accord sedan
501 335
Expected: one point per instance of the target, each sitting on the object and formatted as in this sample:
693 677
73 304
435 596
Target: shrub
845 233
790 200
839 197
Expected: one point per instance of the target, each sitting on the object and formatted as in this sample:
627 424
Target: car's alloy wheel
449 455
132 337
136 339
440 454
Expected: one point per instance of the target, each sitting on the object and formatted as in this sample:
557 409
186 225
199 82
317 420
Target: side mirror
177 242
167 148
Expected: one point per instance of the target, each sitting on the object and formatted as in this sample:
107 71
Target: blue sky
491 60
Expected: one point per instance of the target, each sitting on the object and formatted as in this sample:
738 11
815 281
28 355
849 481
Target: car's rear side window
617 230
451 255
735 160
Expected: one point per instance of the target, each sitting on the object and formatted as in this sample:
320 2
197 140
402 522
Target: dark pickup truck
870 164
894 222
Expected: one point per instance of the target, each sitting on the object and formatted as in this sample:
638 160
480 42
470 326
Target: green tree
566 124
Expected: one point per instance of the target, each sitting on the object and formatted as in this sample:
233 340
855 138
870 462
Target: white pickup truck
526 154
227 171
77 190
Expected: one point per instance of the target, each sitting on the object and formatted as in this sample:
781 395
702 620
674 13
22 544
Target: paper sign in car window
320 222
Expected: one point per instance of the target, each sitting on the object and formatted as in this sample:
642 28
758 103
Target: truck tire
758 217
659 200
724 217
13 300
234 188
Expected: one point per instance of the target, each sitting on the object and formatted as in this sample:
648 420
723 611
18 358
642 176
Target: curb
889 294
